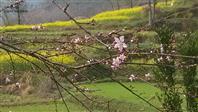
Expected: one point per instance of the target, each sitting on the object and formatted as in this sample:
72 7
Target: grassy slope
115 92
102 18
107 90
118 18
108 20
124 17
44 107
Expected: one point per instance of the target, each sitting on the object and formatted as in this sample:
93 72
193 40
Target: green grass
115 91
50 34
109 89
121 97
43 107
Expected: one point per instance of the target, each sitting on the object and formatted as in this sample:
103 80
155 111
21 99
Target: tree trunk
131 3
153 12
111 4
18 14
150 12
118 5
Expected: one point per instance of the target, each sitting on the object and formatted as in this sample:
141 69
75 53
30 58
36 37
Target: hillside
40 11
124 18
112 19
124 64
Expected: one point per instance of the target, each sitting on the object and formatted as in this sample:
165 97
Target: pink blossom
119 43
116 63
122 57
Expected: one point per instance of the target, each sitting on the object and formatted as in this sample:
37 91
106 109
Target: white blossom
172 3
7 80
75 75
77 40
112 32
57 48
132 77
38 27
161 48
106 62
18 1
148 75
109 47
168 58
34 28
160 59
173 51
89 61
86 89
87 37
18 85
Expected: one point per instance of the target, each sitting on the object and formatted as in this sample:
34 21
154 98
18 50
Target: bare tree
111 4
20 9
5 18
